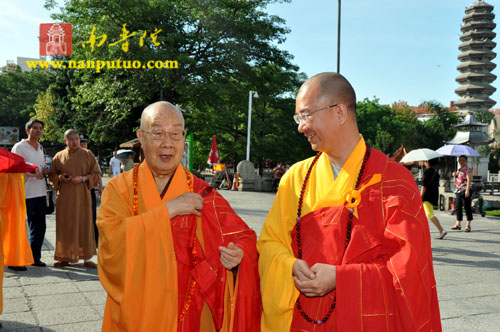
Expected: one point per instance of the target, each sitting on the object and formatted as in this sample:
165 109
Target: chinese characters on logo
97 41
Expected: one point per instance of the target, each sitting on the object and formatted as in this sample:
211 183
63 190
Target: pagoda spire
477 52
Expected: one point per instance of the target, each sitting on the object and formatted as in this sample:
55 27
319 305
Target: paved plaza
467 267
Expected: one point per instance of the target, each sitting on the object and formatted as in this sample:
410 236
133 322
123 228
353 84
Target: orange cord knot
352 198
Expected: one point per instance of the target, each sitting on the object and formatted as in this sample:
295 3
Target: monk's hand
324 283
230 256
65 177
77 179
38 174
302 273
188 203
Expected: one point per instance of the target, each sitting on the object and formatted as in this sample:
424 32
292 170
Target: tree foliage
386 128
18 93
224 49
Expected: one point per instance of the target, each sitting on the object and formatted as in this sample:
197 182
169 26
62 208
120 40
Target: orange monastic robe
146 261
385 277
15 249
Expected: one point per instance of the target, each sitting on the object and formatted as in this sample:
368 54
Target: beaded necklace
348 234
135 201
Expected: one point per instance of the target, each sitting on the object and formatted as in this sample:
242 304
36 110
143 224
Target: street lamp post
338 42
251 94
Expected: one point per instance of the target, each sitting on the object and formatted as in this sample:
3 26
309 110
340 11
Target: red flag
213 157
13 163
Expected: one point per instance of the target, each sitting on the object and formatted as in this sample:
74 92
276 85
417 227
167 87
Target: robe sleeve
55 170
397 287
94 176
276 260
222 225
114 218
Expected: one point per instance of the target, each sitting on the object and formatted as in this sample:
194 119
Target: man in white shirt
115 164
36 190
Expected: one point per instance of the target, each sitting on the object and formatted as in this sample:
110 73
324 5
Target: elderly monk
346 245
173 255
73 172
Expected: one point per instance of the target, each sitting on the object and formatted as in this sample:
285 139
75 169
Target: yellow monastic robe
278 290
384 277
74 227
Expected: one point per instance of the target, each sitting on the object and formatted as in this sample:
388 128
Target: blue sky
390 49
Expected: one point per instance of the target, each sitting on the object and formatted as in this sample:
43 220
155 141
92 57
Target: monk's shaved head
70 132
333 87
159 107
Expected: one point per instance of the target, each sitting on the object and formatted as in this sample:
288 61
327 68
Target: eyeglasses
160 135
303 117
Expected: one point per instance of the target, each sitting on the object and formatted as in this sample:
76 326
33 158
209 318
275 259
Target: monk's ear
341 113
139 135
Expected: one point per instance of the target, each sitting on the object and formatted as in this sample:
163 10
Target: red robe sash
220 225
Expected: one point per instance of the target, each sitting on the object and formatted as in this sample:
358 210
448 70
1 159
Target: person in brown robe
73 172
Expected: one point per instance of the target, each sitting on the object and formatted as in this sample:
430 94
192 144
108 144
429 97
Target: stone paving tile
49 289
80 275
16 305
89 285
12 281
100 309
70 315
58 301
93 326
11 293
17 321
44 279
466 290
461 307
96 297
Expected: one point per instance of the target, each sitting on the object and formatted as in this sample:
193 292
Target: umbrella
420 154
123 154
213 157
458 150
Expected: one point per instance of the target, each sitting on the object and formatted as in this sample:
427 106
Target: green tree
224 48
381 126
18 93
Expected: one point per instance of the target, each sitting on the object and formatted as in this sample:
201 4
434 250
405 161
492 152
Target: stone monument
247 175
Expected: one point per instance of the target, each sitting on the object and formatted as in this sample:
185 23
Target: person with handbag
36 190
463 181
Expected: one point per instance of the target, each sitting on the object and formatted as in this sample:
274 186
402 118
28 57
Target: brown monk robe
74 171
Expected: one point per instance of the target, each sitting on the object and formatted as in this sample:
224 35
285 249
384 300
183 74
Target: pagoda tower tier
476 58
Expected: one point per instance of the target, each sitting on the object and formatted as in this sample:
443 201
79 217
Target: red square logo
56 39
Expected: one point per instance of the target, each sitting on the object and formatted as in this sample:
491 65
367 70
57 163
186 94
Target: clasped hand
231 256
318 280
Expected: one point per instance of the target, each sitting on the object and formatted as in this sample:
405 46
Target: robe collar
149 191
334 192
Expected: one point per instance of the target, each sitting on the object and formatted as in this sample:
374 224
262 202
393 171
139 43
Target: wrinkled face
72 142
162 140
462 161
35 131
321 127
